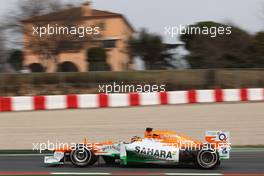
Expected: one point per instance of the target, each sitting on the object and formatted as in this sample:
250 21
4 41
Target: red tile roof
75 13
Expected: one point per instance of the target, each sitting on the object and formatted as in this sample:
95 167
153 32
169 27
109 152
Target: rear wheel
207 159
82 157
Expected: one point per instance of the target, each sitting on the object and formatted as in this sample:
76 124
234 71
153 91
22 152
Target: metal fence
71 83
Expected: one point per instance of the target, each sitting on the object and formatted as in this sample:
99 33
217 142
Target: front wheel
207 159
82 157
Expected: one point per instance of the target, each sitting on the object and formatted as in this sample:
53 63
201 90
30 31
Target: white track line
76 173
194 174
170 174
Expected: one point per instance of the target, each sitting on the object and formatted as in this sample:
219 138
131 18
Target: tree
16 59
14 26
256 57
2 48
258 43
48 47
151 49
97 59
26 9
222 51
3 53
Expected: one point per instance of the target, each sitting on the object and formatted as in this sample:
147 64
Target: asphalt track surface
246 162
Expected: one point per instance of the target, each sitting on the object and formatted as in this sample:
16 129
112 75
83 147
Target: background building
69 52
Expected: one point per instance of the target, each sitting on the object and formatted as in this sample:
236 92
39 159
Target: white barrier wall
49 102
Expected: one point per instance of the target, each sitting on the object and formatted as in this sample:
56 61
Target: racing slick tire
82 157
207 159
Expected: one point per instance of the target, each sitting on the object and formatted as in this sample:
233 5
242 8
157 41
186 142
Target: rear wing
221 140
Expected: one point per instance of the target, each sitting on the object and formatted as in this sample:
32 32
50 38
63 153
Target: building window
109 43
36 67
67 67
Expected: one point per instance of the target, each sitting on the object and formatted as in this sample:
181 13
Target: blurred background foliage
87 83
97 59
238 50
224 61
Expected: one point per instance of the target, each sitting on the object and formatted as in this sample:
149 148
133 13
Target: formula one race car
161 147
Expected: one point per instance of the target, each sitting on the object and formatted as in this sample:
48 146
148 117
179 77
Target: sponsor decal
153 152
222 137
110 147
